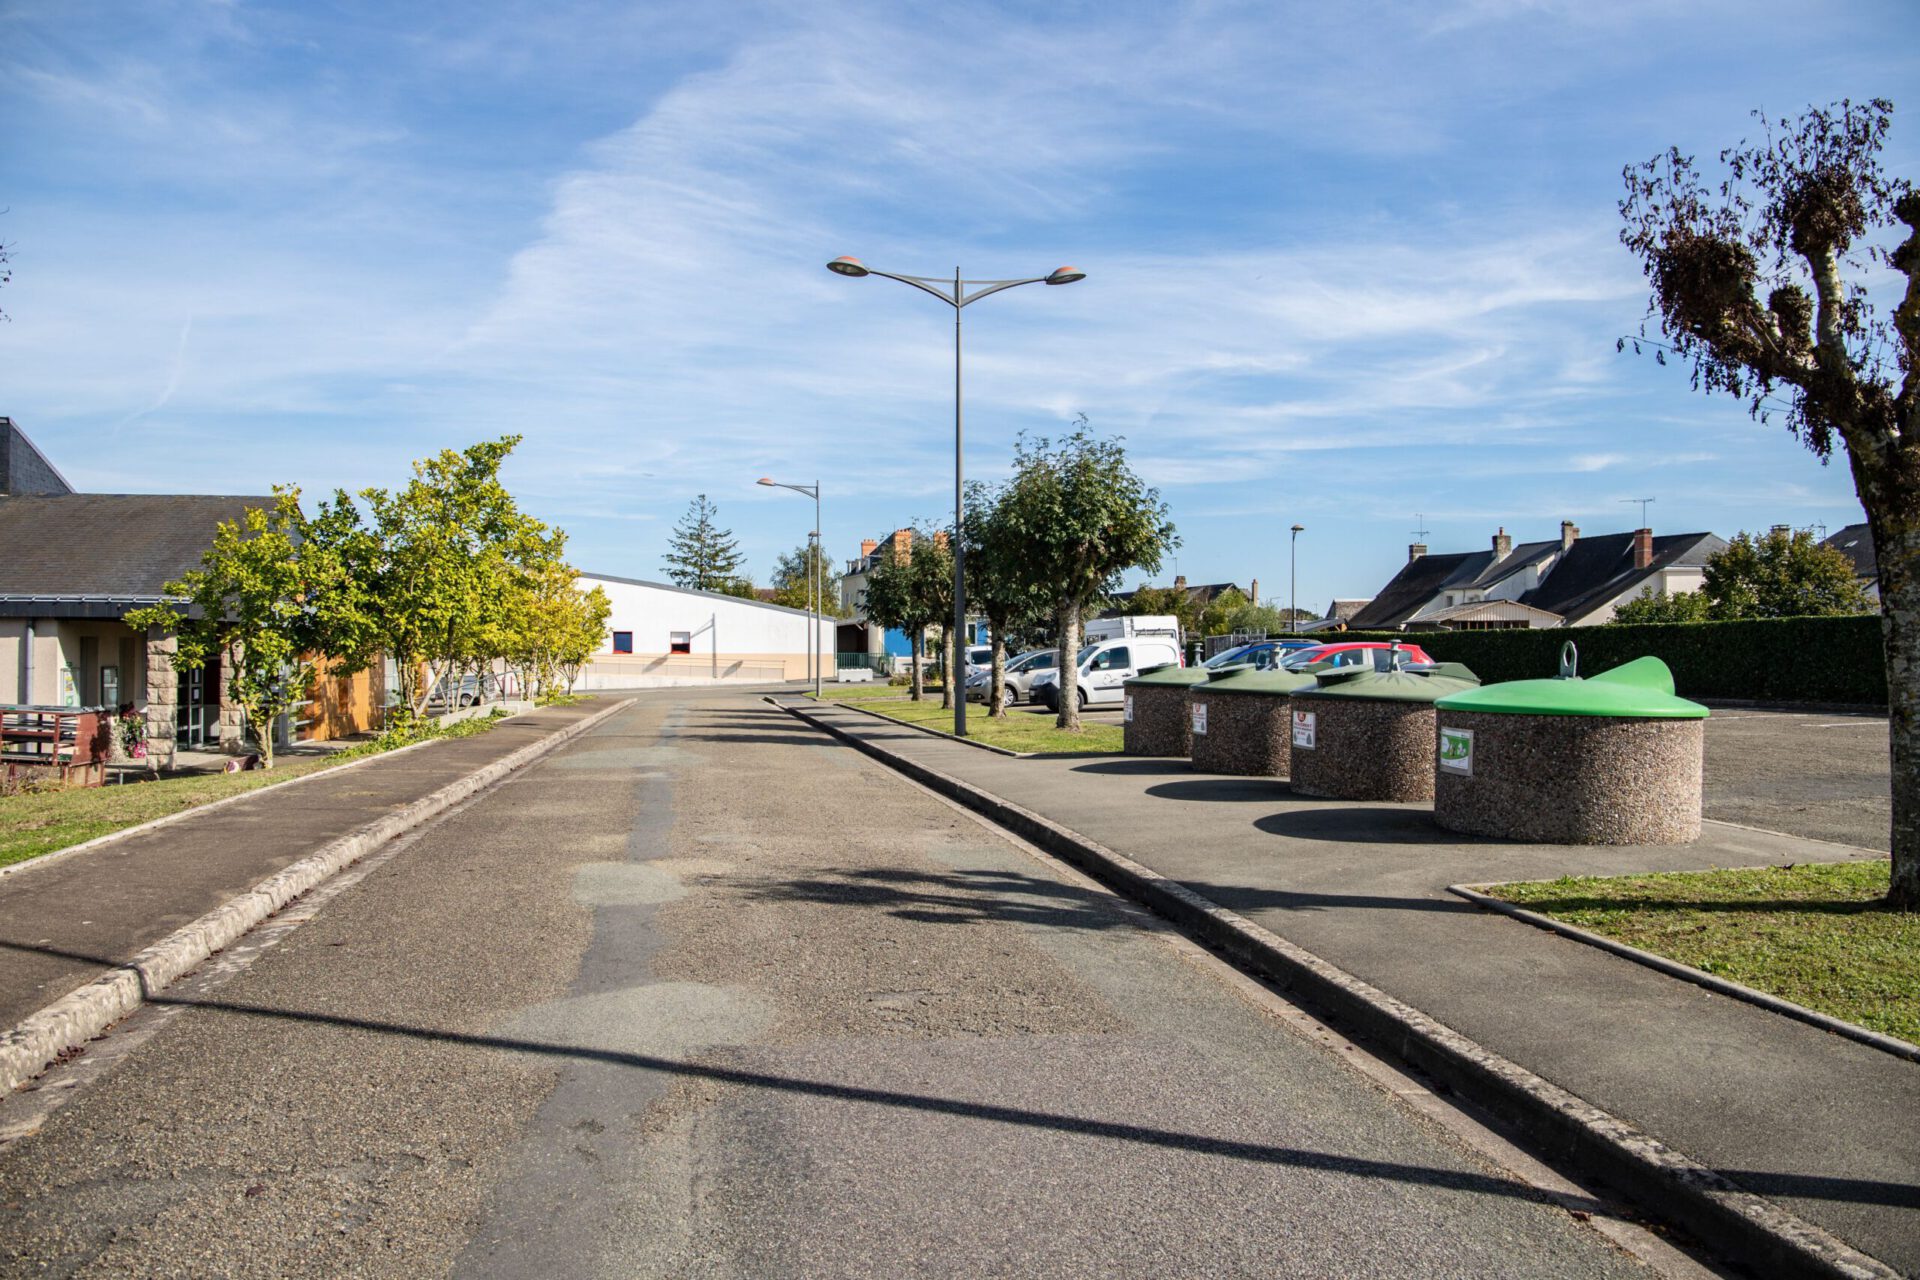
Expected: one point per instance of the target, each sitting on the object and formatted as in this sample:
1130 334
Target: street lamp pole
1293 577
957 296
816 579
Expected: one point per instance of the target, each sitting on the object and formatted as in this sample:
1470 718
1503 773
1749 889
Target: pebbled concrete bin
1154 721
1616 759
1239 723
1369 735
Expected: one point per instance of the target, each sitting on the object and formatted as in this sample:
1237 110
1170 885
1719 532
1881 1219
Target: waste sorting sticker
1456 751
1200 718
1128 716
1304 726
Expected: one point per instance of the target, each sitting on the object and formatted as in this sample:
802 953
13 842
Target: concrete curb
921 728
331 771
42 1038
1475 894
1561 1125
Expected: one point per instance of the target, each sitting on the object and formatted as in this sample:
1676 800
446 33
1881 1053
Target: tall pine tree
703 555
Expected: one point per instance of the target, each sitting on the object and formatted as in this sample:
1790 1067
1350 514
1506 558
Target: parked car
1262 655
1106 665
1354 653
1020 673
469 691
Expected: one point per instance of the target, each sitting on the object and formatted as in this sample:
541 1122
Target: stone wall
1366 749
1574 779
1247 733
1159 725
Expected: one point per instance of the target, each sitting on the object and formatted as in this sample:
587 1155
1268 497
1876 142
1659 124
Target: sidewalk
64 923
1827 1128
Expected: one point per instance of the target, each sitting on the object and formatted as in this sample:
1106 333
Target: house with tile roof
72 565
1570 582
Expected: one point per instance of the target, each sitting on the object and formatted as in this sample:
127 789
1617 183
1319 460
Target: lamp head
847 267
1299 528
764 480
1066 275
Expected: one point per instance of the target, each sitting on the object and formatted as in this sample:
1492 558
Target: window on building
623 642
680 642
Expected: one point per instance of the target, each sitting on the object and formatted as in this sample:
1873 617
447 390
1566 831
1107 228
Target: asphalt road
1823 775
705 994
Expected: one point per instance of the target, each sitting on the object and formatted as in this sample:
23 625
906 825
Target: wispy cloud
1357 266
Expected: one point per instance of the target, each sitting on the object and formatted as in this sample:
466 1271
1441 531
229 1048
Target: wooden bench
63 740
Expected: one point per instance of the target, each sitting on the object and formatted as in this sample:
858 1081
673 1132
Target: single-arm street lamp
1293 577
816 587
956 293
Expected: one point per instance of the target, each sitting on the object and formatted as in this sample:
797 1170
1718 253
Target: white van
1106 665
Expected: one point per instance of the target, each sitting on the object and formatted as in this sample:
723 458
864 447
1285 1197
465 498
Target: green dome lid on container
1271 682
1641 689
1391 686
1172 673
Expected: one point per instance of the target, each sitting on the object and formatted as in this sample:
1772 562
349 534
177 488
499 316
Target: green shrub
1763 659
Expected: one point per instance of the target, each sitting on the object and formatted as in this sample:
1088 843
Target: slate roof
1345 609
1856 543
1594 570
1418 582
1588 574
1203 594
126 546
23 468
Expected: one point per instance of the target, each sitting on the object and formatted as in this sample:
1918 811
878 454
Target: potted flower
133 733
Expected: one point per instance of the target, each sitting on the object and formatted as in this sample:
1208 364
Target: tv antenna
1644 502
1420 518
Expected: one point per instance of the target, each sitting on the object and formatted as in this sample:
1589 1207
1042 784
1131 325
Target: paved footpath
1828 1127
65 921
706 993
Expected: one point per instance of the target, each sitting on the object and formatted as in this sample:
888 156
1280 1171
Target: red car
1354 653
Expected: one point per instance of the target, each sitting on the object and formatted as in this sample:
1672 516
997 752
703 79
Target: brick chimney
1415 550
1502 544
867 547
1569 534
1643 548
1180 582
1253 592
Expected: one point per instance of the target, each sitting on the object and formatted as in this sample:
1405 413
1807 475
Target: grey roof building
1571 581
23 468
1855 542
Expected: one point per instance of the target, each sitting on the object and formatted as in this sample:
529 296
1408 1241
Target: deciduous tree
248 603
998 586
1085 518
1781 574
1758 282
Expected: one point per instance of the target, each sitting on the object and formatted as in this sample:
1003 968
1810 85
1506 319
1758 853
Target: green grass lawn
1815 934
41 822
1016 732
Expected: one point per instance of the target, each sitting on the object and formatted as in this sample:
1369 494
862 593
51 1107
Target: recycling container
1154 721
1368 735
1239 722
1615 759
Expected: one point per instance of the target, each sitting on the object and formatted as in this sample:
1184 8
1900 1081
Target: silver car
1019 675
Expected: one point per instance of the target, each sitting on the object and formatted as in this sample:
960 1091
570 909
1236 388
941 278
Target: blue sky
1346 264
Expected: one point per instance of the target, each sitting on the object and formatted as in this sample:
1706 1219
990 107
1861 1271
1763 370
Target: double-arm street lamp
816 585
957 293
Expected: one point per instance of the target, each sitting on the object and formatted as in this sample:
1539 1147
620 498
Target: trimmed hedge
1764 659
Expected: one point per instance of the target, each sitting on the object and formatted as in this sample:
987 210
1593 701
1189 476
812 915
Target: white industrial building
659 634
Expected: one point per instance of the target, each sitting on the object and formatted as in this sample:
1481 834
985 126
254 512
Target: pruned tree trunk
919 680
997 678
1896 543
949 658
1069 717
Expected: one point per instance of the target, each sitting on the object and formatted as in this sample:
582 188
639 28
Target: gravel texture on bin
1247 733
1160 725
1366 749
1574 779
